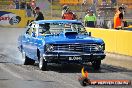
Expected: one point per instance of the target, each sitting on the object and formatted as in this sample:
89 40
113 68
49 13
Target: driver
46 28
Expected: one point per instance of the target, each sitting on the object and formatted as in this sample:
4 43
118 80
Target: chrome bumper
65 57
99 54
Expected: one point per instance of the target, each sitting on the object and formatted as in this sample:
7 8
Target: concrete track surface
15 75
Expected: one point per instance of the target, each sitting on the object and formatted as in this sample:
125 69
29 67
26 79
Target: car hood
71 38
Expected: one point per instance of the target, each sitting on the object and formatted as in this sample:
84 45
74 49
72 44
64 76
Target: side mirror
89 33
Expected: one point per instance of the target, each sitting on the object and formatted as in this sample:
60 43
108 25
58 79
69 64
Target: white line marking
3 67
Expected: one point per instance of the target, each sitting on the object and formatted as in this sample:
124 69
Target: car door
27 40
33 41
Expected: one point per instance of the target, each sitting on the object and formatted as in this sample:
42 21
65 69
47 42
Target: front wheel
96 64
42 64
27 60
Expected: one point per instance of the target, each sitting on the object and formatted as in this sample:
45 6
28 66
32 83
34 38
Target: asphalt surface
15 75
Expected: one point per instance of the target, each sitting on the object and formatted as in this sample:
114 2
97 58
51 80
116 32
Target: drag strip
13 74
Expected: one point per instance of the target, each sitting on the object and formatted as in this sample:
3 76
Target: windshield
57 28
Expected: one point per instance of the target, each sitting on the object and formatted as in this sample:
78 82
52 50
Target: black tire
96 64
42 64
27 60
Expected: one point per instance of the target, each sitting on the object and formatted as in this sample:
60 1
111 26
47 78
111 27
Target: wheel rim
23 57
41 63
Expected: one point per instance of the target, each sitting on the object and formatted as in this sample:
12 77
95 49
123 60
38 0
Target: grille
76 47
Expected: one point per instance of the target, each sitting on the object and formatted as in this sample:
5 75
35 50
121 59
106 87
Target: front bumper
73 57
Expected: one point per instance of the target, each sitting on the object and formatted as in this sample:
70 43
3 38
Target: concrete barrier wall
14 18
117 41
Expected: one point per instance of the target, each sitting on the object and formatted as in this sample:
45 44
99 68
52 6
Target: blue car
61 42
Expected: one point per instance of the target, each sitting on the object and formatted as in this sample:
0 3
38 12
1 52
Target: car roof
56 21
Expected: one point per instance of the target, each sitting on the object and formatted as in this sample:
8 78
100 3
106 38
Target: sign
9 18
85 81
14 18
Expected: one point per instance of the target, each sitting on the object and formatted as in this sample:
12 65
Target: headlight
100 47
49 48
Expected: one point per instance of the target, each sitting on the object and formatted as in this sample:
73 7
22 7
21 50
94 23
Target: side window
34 34
34 28
29 31
44 29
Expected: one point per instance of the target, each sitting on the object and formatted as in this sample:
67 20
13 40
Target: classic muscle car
60 42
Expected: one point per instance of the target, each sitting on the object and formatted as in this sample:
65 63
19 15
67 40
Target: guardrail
117 41
14 18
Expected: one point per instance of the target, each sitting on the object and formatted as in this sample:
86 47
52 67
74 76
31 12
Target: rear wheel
42 64
27 60
96 64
